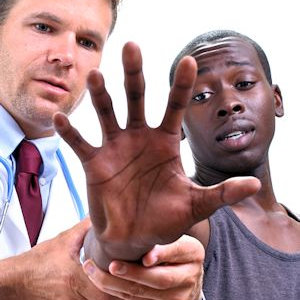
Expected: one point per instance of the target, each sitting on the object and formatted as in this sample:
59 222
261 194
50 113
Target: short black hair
213 36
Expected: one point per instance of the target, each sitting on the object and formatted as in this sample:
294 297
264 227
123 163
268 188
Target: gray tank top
238 266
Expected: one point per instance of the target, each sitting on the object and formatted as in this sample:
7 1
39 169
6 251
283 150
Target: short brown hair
7 5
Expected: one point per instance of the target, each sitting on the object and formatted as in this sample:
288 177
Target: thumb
184 250
78 232
207 200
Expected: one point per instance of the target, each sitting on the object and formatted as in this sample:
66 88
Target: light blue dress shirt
11 136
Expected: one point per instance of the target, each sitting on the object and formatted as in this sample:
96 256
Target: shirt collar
11 136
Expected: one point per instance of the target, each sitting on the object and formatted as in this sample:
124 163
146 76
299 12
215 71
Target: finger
112 285
159 277
81 228
122 295
103 105
87 289
180 95
76 235
166 281
185 249
134 85
71 135
206 200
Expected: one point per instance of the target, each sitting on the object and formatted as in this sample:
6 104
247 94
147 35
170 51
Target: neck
207 176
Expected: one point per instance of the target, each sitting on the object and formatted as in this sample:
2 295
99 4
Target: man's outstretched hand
138 193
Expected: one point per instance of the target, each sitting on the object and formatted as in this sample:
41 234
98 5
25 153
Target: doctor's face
47 49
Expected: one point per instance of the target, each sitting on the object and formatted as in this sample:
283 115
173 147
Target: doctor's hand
138 192
172 271
51 270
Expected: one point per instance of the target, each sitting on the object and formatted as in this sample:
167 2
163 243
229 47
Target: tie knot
28 158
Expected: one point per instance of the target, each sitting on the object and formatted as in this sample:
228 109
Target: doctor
47 49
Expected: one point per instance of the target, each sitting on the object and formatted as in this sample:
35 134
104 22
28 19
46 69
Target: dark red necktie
27 185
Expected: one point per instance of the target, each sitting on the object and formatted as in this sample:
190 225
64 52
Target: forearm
105 249
10 283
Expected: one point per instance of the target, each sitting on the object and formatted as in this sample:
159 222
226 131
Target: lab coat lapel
14 237
61 213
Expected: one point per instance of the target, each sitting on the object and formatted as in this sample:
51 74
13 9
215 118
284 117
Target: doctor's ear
182 134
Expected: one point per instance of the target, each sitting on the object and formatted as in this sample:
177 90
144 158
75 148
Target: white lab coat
60 215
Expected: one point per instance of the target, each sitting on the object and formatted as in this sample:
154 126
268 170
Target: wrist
103 249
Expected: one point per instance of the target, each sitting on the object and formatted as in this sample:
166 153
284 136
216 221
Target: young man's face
47 49
230 120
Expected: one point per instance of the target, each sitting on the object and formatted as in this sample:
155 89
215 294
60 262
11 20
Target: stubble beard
23 104
28 108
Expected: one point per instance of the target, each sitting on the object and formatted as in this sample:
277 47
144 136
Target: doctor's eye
202 97
87 43
42 27
244 85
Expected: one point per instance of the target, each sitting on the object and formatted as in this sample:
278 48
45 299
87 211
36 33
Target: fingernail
154 259
119 269
89 267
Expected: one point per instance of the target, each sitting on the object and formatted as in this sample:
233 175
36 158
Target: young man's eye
245 84
87 44
42 27
202 96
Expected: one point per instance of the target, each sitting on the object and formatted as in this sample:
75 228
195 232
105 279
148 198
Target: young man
47 49
252 246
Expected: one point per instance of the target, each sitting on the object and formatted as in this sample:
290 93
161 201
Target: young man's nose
63 52
235 108
230 105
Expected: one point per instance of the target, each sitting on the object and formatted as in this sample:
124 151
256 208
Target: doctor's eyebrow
53 18
45 16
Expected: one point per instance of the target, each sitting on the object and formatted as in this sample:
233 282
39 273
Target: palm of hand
138 176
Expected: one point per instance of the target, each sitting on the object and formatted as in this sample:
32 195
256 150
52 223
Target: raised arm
138 193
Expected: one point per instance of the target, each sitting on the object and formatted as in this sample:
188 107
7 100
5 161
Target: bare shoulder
276 227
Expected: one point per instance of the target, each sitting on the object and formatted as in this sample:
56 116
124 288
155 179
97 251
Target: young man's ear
279 111
182 134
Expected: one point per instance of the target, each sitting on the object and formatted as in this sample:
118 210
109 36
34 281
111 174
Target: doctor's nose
63 52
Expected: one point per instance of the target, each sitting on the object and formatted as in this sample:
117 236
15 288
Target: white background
162 28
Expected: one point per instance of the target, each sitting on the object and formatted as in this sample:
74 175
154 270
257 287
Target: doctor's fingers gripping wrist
51 270
184 285
179 278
